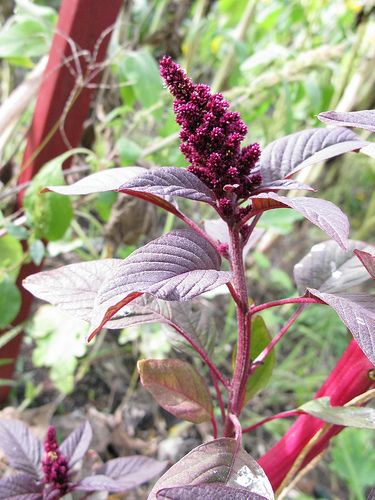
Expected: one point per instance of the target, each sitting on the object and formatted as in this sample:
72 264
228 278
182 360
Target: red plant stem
234 294
262 356
251 228
283 414
211 365
218 395
281 302
237 428
348 379
214 426
240 376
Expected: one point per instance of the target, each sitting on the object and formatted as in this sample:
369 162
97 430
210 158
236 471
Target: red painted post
78 47
348 379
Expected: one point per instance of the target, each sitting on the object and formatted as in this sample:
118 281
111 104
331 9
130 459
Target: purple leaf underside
77 443
133 471
286 156
324 214
21 448
100 182
368 260
330 269
207 492
168 182
99 482
217 230
72 287
20 487
178 266
219 461
357 312
360 119
283 184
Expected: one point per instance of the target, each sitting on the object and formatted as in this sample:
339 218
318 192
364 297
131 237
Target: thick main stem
244 325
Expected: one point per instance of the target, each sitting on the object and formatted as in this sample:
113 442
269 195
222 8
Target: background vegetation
279 63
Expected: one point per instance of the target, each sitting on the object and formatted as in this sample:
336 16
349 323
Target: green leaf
279 222
11 255
350 416
104 203
260 338
10 302
141 71
37 251
178 388
59 340
49 213
128 150
353 458
26 37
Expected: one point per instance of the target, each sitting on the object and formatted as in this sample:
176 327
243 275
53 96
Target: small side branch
284 414
281 302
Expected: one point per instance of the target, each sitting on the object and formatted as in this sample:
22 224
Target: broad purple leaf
178 388
368 260
360 119
77 443
99 482
357 312
21 448
283 184
105 180
349 416
207 492
217 229
130 472
286 156
177 266
330 269
219 461
168 182
322 213
72 287
20 487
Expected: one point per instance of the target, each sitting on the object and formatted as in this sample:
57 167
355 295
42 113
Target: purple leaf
322 213
207 492
167 182
177 266
21 448
329 269
77 443
178 388
286 156
217 230
349 416
368 260
105 180
283 184
20 487
72 287
99 482
130 472
360 119
220 461
357 312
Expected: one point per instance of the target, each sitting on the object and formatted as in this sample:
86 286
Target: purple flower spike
54 464
211 139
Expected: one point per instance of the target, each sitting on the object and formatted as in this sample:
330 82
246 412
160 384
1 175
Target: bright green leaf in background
11 254
10 302
48 213
59 340
278 221
37 251
140 71
260 338
353 459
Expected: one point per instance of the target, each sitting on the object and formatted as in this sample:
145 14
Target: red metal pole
79 45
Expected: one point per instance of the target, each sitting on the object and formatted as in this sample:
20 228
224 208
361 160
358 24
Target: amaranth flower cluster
211 139
54 464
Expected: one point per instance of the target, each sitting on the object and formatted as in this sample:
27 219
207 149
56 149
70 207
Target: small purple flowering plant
50 471
159 283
